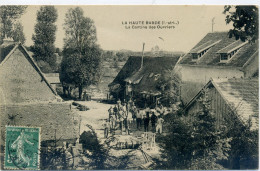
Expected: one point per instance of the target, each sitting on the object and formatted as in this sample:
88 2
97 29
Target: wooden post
142 62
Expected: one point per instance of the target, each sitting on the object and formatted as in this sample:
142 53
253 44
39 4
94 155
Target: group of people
147 116
124 114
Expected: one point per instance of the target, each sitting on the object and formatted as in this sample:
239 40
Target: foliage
210 142
93 149
44 66
8 16
245 21
81 62
194 142
44 36
18 34
176 146
169 86
244 145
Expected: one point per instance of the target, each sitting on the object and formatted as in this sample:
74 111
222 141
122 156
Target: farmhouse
230 99
142 79
27 98
216 56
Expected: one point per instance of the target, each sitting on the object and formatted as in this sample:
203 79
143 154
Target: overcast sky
194 24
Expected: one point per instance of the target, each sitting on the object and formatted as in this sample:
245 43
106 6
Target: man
113 121
110 112
138 119
146 122
115 110
106 128
159 125
153 121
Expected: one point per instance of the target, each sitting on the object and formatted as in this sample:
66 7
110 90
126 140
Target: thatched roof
145 79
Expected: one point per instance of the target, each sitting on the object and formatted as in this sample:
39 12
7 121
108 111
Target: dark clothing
153 121
139 122
125 123
115 109
146 124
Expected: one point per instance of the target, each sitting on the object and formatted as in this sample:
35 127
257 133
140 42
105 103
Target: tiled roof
204 46
233 46
212 58
242 96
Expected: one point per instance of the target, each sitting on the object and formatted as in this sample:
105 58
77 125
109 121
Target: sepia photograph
129 87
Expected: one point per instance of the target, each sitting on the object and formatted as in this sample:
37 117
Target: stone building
27 98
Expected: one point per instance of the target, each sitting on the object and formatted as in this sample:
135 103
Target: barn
231 100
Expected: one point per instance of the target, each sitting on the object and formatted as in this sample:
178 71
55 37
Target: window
224 57
195 56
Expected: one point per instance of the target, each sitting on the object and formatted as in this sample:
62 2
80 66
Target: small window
195 56
223 56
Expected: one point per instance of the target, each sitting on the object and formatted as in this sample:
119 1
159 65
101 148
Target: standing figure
159 125
138 119
153 121
113 121
110 113
115 110
121 118
146 122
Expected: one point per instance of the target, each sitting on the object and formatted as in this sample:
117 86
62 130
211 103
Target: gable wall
218 106
194 78
252 67
20 82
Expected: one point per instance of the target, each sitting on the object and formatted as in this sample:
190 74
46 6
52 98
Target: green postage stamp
22 148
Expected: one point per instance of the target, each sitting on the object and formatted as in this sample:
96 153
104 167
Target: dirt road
95 116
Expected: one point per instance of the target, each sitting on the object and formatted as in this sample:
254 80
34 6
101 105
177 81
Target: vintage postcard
129 87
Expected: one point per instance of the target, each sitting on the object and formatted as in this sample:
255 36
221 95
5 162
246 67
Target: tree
18 34
44 36
8 16
245 21
169 85
81 62
176 146
210 144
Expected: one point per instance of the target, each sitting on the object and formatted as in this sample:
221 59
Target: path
95 116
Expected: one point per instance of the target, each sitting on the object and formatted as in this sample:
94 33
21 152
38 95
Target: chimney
142 62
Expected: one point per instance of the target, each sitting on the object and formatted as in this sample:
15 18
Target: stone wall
53 118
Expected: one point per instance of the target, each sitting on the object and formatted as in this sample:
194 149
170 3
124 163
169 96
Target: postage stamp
22 148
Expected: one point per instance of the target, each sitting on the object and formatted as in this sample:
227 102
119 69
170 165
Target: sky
194 22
